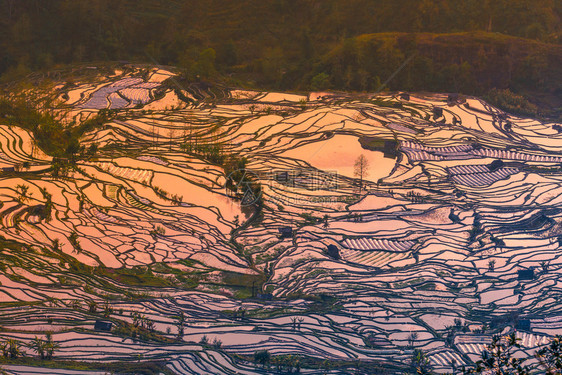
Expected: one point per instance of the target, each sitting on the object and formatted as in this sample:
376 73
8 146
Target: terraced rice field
429 247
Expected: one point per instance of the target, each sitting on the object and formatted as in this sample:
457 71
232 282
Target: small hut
333 252
286 232
102 326
528 274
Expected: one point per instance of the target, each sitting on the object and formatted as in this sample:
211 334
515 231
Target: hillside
289 45
471 63
257 187
223 230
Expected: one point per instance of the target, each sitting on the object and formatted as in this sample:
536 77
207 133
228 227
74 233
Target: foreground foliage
499 358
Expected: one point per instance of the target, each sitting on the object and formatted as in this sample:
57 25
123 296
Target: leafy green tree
75 242
92 306
262 357
11 348
23 193
287 363
319 82
44 348
420 363
272 63
227 54
205 66
50 346
38 345
180 322
73 148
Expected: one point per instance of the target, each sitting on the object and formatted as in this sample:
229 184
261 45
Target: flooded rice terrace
426 252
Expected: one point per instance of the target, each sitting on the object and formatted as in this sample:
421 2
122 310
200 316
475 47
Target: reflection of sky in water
339 154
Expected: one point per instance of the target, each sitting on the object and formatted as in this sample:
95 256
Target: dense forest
470 46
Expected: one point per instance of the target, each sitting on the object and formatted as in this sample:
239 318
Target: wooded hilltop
506 50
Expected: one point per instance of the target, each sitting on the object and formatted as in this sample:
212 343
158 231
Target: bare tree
361 169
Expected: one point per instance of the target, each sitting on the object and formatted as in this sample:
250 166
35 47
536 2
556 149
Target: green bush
511 102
